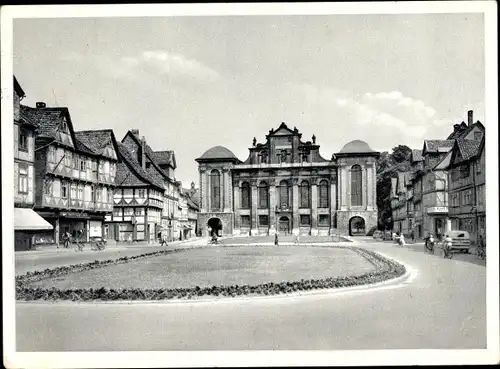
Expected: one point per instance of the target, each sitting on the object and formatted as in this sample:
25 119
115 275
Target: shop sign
71 214
437 209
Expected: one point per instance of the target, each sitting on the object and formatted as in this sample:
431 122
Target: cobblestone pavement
442 306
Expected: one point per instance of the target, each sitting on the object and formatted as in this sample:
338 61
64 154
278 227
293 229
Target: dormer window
64 126
478 136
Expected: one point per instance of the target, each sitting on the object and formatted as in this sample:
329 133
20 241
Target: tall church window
245 195
284 194
324 194
356 186
263 195
304 194
215 190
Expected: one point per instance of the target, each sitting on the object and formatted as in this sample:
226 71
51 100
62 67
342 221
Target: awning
187 226
28 220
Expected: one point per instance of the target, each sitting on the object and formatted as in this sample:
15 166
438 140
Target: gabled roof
130 172
416 155
458 129
97 140
82 147
437 146
18 89
166 157
465 130
283 130
445 162
466 150
49 120
151 156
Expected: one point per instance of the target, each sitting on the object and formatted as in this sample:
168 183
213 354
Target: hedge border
385 269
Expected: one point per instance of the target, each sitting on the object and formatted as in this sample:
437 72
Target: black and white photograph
203 185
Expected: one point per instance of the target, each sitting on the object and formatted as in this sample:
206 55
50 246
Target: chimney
192 185
40 105
469 118
143 151
456 127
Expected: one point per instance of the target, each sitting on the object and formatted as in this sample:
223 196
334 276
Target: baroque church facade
285 186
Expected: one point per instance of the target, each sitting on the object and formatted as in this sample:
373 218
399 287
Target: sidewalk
53 249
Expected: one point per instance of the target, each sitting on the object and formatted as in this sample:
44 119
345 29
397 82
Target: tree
388 165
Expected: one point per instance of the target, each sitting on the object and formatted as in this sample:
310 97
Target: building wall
301 220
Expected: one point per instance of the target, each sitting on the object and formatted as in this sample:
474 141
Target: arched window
263 195
304 194
245 195
215 190
284 194
324 194
356 186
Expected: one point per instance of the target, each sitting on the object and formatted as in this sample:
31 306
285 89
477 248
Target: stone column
333 200
369 192
346 193
87 236
237 225
225 181
57 232
314 206
364 186
203 190
254 230
295 206
272 207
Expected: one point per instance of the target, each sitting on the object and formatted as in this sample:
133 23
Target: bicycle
98 244
78 245
447 253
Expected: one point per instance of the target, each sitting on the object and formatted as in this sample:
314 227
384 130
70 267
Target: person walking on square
297 239
276 239
164 241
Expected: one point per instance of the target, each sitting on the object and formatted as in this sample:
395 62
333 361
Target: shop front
27 225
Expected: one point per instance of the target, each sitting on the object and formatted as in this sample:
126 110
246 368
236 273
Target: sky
191 83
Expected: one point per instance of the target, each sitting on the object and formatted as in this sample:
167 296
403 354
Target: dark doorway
356 226
215 227
284 225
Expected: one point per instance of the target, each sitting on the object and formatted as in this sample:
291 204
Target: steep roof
82 147
157 171
132 174
416 155
465 130
166 157
436 146
18 89
96 140
49 120
468 148
218 153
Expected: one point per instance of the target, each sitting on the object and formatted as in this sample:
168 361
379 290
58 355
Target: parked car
460 241
378 234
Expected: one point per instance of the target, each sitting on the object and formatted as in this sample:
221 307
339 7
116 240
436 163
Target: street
443 306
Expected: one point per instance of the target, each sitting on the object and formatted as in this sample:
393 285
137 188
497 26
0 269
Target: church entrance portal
284 225
214 227
356 226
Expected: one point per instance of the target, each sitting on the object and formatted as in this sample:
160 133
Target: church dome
356 146
218 152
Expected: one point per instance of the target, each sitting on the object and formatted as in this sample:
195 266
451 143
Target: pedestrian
66 239
413 236
276 239
164 241
297 240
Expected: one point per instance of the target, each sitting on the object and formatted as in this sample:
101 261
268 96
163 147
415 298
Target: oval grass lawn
219 266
